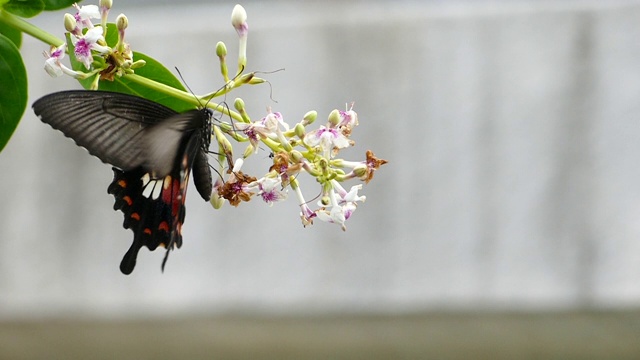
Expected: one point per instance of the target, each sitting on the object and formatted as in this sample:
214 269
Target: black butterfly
152 148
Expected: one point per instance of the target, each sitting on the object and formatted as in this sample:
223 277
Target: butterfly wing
161 141
111 126
154 207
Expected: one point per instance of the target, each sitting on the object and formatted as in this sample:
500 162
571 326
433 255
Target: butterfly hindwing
153 207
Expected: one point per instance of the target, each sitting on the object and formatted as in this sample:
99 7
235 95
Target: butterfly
152 149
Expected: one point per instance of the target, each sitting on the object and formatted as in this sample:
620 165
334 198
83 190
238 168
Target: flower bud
106 4
223 142
138 64
245 78
239 19
238 104
122 22
309 117
299 130
296 156
216 201
334 118
250 150
256 80
221 49
361 171
70 23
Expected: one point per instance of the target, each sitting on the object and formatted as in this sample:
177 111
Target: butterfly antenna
268 82
217 172
312 200
189 88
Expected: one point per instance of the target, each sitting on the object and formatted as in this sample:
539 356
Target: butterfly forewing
152 149
109 125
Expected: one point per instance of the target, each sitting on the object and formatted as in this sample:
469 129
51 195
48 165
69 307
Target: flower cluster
90 48
296 151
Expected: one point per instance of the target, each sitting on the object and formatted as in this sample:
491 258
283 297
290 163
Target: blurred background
506 224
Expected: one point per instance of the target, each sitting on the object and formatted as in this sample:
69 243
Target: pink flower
267 127
270 189
327 138
86 13
53 66
87 43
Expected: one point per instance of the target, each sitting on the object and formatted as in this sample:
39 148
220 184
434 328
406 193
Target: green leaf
24 8
13 34
153 70
13 92
50 5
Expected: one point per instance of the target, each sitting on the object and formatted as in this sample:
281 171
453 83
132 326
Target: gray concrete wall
512 134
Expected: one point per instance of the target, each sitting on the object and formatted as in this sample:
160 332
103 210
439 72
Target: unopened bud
360 171
138 64
256 80
296 156
334 118
238 104
245 78
122 22
309 117
250 150
106 4
299 130
221 49
70 23
216 201
239 19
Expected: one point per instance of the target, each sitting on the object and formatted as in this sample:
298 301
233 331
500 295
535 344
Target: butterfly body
152 149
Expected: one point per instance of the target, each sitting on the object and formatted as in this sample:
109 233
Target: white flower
343 204
327 138
267 127
53 66
86 13
87 43
270 189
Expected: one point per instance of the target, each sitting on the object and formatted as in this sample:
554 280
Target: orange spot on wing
128 200
147 231
163 226
122 183
135 216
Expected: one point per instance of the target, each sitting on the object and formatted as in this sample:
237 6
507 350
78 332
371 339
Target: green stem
29 28
181 95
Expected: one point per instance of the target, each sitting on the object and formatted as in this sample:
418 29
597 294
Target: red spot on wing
173 193
164 226
135 216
